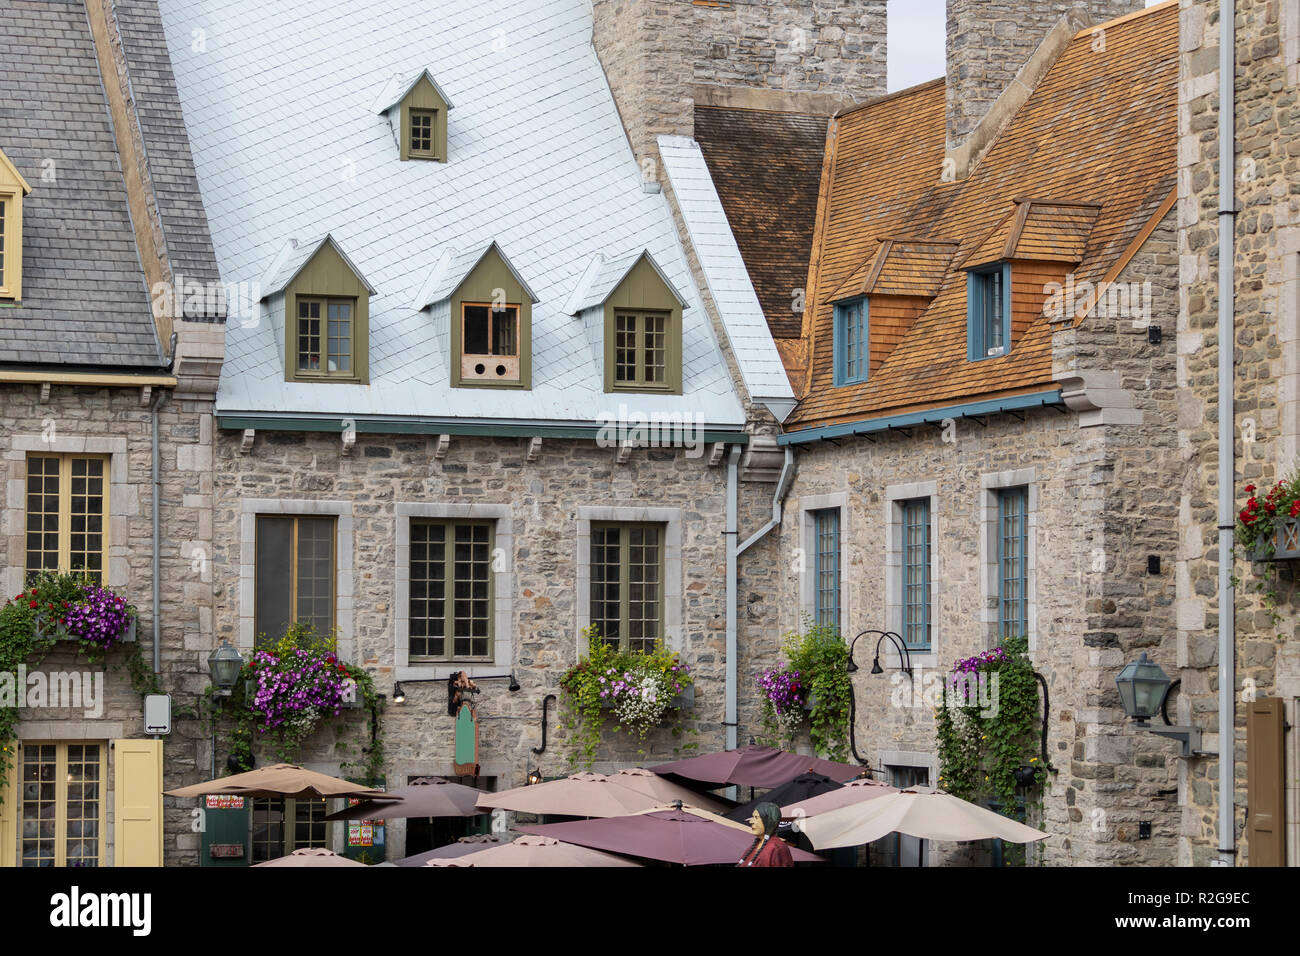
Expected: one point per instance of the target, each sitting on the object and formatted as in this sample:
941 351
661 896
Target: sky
916 35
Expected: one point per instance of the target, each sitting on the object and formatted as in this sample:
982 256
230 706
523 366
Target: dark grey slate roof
85 299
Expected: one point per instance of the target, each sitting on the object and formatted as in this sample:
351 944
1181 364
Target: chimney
990 42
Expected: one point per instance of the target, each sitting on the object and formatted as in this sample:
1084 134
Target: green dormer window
988 311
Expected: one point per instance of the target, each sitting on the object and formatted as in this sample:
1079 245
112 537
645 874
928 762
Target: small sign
158 714
224 803
227 851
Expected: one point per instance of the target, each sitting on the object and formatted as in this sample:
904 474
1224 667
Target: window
423 125
916 573
61 804
422 114
12 190
5 203
1013 550
67 514
641 349
280 826
491 325
294 575
826 570
489 342
451 590
852 349
989 312
325 336
627 584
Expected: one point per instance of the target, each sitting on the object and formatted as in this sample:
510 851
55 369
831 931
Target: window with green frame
826 567
325 337
627 584
641 349
988 303
915 569
1013 562
851 338
451 592
294 575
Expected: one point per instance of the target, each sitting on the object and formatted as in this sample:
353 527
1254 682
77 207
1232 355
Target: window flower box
1282 545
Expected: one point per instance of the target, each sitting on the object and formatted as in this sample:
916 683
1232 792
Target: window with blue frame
826 566
988 305
916 573
1013 562
852 347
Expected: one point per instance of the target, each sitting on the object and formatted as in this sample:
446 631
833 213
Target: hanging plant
1268 530
639 689
782 692
815 676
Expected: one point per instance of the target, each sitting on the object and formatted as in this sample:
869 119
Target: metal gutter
733 586
123 380
415 426
778 501
929 417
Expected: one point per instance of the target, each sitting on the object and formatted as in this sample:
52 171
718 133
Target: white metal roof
599 282
452 268
724 271
287 143
293 256
399 85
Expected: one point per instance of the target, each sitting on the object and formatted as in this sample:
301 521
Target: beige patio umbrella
666 791
315 856
535 851
852 793
583 795
920 812
277 780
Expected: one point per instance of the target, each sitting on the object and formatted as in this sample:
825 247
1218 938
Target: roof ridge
1126 17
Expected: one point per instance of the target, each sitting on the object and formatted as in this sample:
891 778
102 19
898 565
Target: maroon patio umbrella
753 766
685 836
462 847
426 797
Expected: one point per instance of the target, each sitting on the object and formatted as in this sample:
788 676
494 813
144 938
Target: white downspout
733 585
1227 428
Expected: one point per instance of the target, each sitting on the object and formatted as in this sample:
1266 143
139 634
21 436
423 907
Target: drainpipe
733 530
1227 422
778 501
155 505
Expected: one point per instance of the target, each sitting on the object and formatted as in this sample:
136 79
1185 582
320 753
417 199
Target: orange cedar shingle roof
901 267
1039 231
1101 128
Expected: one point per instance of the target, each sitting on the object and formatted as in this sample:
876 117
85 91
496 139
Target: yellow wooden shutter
1265 786
137 803
9 808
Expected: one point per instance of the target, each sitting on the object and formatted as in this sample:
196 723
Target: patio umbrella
682 835
463 846
536 851
800 788
668 792
920 812
753 766
277 780
853 792
313 857
427 797
581 795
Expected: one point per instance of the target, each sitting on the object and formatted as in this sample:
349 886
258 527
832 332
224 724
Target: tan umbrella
852 793
920 812
666 791
536 851
316 856
581 795
277 780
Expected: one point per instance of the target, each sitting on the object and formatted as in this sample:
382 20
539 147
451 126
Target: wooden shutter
1265 783
137 803
9 809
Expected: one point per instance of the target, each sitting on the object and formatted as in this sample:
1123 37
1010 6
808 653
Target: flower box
679 701
61 631
1286 543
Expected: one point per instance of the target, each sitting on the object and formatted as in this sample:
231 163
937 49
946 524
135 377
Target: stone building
1264 677
107 379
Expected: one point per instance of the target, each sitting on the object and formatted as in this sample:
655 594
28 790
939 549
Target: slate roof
1100 128
599 282
454 267
85 301
538 162
293 256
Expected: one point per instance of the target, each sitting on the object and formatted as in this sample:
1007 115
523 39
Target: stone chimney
991 41
662 57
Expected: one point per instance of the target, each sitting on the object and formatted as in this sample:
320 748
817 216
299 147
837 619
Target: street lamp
1143 686
224 665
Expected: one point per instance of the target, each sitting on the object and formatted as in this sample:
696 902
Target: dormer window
852 342
489 342
641 349
326 337
989 311
12 190
416 108
423 123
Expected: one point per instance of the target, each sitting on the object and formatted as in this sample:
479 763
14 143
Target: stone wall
1267 423
990 40
117 422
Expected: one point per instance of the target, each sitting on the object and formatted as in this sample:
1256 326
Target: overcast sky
916 34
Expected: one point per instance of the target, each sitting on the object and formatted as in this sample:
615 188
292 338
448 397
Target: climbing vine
815 676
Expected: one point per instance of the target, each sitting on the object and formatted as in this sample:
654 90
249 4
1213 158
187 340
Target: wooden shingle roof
1075 177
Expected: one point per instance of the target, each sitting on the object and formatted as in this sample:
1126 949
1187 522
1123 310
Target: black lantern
399 695
1142 687
224 665
534 777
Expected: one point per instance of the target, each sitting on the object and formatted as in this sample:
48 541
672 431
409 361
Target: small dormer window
989 311
12 189
326 336
852 343
423 124
490 342
641 348
416 109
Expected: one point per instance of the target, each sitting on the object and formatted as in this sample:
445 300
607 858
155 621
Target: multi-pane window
294 574
989 320
61 809
916 573
67 514
450 590
422 126
325 336
627 577
490 329
826 566
852 354
3 208
1013 552
641 349
280 826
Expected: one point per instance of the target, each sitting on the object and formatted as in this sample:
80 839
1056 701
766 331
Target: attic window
490 342
12 189
423 124
988 297
641 348
326 337
852 344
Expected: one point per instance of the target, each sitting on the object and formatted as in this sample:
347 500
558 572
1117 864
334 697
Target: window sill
443 669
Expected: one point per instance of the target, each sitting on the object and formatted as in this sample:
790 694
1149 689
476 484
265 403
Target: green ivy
821 657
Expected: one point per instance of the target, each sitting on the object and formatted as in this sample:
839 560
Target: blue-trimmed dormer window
852 349
988 311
